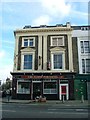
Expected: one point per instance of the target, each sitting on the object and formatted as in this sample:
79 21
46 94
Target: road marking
81 110
63 112
68 105
7 110
52 109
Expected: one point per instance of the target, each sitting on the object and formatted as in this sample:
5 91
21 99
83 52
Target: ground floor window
23 87
50 88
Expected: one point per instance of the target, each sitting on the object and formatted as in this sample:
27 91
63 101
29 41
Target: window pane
86 46
27 61
82 47
87 65
60 42
31 42
24 87
25 42
50 88
57 41
57 61
54 41
49 85
83 65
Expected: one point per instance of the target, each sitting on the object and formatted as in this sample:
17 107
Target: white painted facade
82 35
42 34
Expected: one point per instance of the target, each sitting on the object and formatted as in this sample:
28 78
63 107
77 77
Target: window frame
28 38
83 47
50 90
28 62
56 37
63 59
22 60
23 81
85 66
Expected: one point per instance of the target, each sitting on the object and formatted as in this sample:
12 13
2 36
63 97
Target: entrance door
37 89
63 91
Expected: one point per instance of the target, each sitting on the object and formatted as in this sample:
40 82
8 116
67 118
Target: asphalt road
14 110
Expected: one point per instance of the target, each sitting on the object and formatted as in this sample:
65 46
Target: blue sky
17 14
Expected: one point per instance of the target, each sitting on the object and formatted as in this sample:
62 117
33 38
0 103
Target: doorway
63 91
37 89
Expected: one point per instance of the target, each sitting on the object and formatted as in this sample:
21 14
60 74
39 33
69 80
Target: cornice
54 29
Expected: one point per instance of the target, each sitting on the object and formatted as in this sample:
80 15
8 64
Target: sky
15 14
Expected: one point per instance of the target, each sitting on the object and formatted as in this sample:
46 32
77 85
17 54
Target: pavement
73 103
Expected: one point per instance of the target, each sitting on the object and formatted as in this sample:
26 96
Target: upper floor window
25 42
57 61
57 41
85 46
85 65
28 59
29 42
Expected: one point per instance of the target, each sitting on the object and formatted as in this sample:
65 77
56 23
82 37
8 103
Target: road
14 110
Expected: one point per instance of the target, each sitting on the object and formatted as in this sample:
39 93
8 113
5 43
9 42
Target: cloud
42 0
78 15
42 20
56 7
5 64
9 27
20 0
8 42
81 13
2 54
77 0
6 8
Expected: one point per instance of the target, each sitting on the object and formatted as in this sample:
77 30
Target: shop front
52 86
81 86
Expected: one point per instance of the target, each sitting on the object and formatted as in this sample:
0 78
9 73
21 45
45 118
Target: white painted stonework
81 36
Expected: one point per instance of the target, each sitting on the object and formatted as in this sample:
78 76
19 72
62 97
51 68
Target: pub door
64 91
37 89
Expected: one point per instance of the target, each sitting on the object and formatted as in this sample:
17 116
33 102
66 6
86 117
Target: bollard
82 99
63 99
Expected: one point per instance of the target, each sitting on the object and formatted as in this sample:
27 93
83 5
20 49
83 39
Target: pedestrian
8 94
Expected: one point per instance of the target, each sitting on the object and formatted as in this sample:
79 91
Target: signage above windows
42 77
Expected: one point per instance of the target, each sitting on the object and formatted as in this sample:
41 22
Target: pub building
45 62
